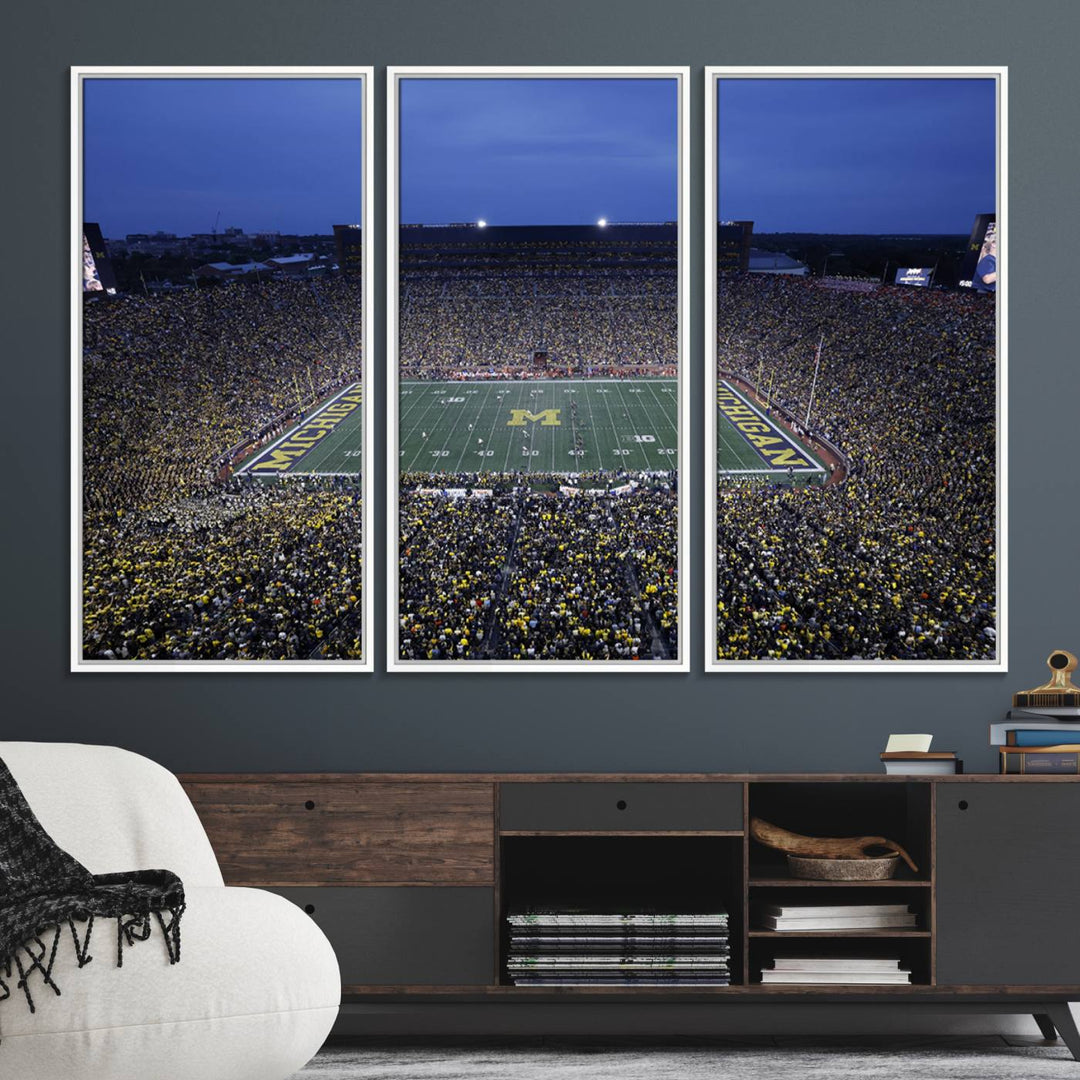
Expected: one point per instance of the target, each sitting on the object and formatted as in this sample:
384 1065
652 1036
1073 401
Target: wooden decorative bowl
843 869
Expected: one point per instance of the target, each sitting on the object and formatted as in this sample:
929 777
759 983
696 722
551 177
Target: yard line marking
592 423
671 423
511 440
634 421
433 397
468 440
460 413
573 436
666 464
403 416
554 440
491 433
615 428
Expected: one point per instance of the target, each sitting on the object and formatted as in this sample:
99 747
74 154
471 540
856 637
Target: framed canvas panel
537 369
856 327
220 358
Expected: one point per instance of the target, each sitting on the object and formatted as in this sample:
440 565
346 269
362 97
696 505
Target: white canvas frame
365 74
712 77
394 75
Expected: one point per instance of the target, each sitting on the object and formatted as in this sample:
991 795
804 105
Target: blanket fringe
129 929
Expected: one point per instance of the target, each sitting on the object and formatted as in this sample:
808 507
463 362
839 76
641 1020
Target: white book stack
836 970
794 917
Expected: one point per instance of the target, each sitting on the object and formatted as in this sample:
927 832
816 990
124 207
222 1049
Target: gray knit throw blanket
45 894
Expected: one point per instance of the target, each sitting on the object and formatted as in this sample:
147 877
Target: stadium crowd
899 561
178 561
594 320
512 570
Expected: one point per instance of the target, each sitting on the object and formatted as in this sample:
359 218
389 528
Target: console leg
1061 1017
1046 1026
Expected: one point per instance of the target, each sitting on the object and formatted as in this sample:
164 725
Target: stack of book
576 948
916 763
866 970
910 755
1042 740
795 917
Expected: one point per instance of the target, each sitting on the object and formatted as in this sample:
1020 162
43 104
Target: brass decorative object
1059 692
822 847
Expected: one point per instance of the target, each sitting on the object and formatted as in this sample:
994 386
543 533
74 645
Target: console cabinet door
1008 883
406 936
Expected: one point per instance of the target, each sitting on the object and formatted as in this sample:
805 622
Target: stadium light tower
602 222
481 224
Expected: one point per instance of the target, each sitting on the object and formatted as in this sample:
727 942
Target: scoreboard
914 275
733 246
350 248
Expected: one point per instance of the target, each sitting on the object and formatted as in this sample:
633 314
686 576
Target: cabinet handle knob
963 804
309 908
309 805
621 804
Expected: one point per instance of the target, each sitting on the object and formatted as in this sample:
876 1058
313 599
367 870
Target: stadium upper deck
583 299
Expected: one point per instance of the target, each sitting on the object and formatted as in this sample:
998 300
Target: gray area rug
996 1061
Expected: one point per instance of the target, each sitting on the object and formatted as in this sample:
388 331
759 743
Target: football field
328 442
751 443
539 425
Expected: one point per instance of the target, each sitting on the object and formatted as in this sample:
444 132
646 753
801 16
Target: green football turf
737 456
339 452
539 425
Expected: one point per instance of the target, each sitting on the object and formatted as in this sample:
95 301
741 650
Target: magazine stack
838 970
578 948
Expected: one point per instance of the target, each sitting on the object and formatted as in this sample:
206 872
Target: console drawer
406 936
295 832
620 807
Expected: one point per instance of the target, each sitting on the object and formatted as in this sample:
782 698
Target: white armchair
257 988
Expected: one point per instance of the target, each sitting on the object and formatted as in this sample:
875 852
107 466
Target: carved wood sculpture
850 847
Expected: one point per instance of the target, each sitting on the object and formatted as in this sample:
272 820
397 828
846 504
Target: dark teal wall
533 721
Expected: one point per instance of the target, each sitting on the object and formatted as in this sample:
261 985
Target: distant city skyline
864 156
272 155
538 151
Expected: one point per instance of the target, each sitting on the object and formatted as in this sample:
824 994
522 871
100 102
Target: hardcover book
1062 760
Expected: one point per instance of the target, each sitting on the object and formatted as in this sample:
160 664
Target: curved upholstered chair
257 988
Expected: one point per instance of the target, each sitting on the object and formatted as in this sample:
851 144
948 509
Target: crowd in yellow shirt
180 561
899 560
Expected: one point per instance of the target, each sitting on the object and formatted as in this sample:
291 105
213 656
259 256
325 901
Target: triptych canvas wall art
855 366
539 379
537 354
221 325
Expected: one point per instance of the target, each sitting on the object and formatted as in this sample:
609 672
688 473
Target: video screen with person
91 279
979 270
985 277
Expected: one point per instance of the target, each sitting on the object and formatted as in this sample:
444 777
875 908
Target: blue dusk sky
533 151
271 154
856 155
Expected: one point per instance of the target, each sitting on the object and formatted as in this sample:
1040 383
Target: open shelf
806 883
907 947
618 873
900 812
886 933
677 871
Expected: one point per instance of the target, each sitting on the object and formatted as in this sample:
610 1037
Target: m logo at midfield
547 417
